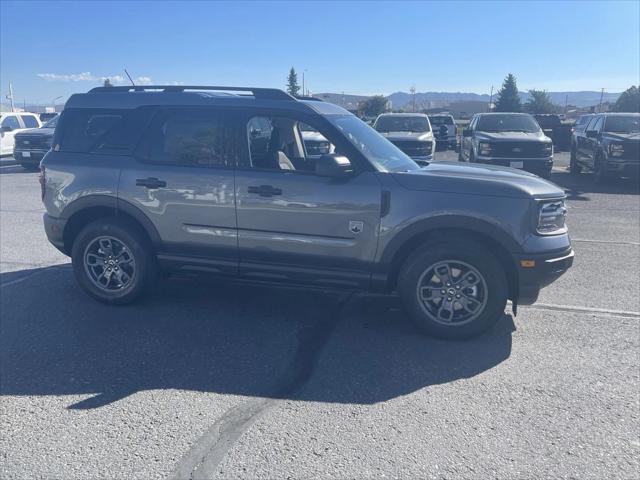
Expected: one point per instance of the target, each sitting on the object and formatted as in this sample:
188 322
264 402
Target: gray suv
215 180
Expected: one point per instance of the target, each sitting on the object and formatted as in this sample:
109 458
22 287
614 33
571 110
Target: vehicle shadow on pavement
222 338
578 187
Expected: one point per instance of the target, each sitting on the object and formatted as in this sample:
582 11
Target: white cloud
73 77
89 77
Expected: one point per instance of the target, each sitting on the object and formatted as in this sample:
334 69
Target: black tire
472 157
470 253
574 168
30 167
143 274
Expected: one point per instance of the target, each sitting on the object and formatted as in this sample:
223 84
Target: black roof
192 95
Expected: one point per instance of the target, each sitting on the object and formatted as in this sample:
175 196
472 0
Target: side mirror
6 128
592 133
334 166
466 132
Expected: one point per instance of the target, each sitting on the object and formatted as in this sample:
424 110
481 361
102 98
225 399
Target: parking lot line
573 308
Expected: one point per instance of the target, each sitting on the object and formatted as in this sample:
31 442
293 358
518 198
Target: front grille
413 148
631 151
518 150
39 142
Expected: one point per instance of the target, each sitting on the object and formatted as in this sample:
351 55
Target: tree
373 106
540 102
292 83
107 83
508 98
628 101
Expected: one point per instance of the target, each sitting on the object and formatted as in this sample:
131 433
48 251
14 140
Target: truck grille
518 150
316 148
631 151
39 142
413 148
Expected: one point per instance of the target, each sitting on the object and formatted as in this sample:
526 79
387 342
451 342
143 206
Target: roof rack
262 93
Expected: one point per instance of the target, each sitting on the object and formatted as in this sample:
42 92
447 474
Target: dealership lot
206 379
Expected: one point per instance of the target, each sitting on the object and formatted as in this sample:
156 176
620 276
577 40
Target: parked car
171 179
609 146
578 128
33 143
46 116
314 142
410 132
12 123
509 139
445 130
552 126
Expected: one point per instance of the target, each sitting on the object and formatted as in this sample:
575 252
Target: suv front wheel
455 289
112 261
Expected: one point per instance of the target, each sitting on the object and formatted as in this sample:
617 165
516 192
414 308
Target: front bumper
54 228
32 157
539 166
622 167
536 271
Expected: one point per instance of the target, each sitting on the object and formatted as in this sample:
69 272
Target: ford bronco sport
171 178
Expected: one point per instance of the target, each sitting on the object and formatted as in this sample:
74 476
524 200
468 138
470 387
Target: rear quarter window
101 130
29 121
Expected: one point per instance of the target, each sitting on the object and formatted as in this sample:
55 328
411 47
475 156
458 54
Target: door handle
265 190
150 182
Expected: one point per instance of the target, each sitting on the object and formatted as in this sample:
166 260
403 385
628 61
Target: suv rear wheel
455 289
112 261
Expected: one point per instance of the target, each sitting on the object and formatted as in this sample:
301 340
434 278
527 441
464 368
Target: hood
36 132
478 179
513 136
419 136
622 137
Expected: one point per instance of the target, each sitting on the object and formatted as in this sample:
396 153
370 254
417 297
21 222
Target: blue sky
50 49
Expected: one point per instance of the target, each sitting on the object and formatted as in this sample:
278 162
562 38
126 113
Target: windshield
441 121
630 124
51 123
508 123
402 124
385 156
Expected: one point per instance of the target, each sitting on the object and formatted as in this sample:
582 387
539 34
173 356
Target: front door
295 226
183 180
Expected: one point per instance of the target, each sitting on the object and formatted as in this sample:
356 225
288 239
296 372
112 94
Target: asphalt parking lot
210 380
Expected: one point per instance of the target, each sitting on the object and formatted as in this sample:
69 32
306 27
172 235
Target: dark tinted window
437 121
591 124
29 121
100 130
507 122
11 122
597 125
192 137
623 124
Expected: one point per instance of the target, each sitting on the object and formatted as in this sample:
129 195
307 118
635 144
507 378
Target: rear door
590 144
295 226
182 179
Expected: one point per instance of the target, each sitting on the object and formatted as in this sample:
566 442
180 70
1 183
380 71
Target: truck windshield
630 124
508 123
437 121
51 123
383 154
402 124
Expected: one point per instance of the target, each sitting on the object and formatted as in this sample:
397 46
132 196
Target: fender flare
117 205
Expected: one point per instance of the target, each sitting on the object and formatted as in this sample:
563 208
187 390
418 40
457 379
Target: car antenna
130 79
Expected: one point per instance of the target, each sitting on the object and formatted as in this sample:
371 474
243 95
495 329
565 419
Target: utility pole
13 108
413 99
490 99
601 96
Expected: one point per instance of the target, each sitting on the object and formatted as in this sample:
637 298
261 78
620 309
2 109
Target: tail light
42 179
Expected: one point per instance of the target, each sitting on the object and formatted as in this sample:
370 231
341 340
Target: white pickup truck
12 123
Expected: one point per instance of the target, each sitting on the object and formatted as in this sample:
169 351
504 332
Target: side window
283 143
598 124
591 124
83 129
29 121
11 121
195 137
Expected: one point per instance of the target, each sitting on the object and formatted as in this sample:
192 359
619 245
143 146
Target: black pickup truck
557 131
609 146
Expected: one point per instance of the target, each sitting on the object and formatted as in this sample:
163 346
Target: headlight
551 217
484 148
616 149
548 148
